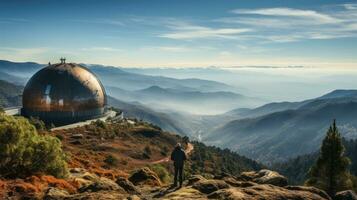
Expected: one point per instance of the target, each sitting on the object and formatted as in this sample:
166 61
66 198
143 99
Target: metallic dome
63 93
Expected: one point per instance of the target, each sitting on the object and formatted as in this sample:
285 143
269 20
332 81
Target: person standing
178 155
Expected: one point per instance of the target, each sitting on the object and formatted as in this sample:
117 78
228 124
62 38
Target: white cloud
101 21
103 49
350 6
290 12
208 33
26 54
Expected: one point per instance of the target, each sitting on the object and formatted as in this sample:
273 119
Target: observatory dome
63 93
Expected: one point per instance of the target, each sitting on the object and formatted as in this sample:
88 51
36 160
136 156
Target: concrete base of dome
63 118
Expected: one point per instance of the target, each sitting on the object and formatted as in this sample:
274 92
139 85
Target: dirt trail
188 150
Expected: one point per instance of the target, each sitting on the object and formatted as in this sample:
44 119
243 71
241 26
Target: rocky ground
115 161
145 184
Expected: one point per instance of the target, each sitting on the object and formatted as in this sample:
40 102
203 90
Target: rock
194 178
309 189
184 194
102 195
222 175
346 195
145 176
101 184
209 186
127 185
76 142
77 170
264 176
264 191
233 182
55 194
77 136
82 177
134 197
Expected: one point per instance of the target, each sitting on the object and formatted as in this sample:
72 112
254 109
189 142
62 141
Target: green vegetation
213 160
111 160
296 169
39 124
24 152
161 172
10 94
330 172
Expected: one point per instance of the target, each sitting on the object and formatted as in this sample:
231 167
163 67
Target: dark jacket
178 155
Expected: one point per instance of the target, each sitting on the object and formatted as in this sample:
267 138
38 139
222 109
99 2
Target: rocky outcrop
264 184
195 178
346 195
145 176
264 176
247 186
102 184
127 185
209 186
55 193
264 191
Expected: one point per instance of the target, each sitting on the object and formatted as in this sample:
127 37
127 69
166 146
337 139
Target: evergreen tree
330 172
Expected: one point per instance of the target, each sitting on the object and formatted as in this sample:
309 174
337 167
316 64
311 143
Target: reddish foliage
2 189
71 187
110 173
25 188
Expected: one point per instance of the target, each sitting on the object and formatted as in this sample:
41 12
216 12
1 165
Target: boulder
128 186
346 195
309 189
134 197
264 176
53 193
264 191
77 136
101 195
185 193
145 176
233 182
195 178
102 184
209 186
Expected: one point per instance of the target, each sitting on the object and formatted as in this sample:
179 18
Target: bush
111 160
24 152
161 172
147 150
164 151
39 124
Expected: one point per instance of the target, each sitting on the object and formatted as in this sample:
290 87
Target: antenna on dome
63 60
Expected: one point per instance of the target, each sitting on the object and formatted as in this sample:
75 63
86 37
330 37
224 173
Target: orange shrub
71 187
26 188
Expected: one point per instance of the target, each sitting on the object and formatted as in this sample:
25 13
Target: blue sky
182 33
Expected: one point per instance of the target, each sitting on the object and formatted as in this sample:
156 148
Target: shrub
39 124
100 123
24 152
111 160
147 150
164 151
161 172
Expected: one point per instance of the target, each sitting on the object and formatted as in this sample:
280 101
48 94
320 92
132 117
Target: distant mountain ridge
192 101
10 94
286 130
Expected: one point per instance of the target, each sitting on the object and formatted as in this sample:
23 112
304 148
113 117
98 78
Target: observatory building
64 93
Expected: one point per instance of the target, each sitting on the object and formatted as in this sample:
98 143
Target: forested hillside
10 94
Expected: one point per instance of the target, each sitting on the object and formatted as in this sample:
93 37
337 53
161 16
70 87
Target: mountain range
183 100
272 132
282 130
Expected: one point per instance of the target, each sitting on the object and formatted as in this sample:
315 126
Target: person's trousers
179 173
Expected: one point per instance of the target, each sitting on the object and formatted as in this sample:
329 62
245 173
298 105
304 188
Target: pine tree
330 172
